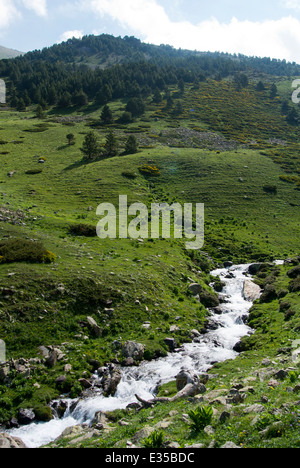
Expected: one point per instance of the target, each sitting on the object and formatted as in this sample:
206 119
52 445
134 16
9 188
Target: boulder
171 343
111 377
4 371
188 383
25 416
51 361
254 409
251 291
186 377
254 268
132 349
95 327
142 434
230 445
9 442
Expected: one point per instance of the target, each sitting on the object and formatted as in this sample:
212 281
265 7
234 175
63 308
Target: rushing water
215 346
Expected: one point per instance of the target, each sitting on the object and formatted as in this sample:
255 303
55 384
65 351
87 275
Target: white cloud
149 21
8 13
291 4
38 6
70 34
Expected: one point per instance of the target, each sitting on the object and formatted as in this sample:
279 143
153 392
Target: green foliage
106 116
131 145
111 147
200 417
150 171
22 250
84 230
155 440
91 147
71 139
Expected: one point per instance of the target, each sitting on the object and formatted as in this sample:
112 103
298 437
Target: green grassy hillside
232 150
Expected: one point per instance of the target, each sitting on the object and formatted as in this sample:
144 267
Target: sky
263 28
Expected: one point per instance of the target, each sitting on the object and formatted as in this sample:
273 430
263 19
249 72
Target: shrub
209 300
21 250
129 175
85 230
34 171
200 417
150 171
269 294
294 286
270 189
43 413
289 314
49 257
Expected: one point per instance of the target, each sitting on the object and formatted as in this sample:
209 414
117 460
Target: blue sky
260 28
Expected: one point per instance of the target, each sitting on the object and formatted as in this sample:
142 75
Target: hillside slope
225 141
8 53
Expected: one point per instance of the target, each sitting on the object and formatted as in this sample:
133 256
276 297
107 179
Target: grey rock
9 442
132 349
230 445
95 327
254 409
171 343
26 416
111 377
281 375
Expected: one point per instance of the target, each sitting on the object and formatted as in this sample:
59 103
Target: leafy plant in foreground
200 417
155 440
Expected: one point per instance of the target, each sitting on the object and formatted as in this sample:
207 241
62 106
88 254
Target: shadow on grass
77 164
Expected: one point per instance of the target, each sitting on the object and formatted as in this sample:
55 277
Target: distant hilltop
8 53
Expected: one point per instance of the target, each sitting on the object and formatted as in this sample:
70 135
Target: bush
209 300
270 189
150 171
21 250
129 175
34 171
201 417
86 230
294 286
294 273
43 413
269 294
49 257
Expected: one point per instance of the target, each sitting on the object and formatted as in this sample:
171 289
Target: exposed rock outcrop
9 442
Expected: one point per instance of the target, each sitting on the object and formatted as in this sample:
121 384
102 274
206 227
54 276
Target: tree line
60 75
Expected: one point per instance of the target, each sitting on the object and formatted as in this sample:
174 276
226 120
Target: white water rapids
215 346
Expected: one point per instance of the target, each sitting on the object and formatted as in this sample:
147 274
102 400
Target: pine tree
293 117
136 107
71 139
260 86
111 145
39 112
106 116
157 96
90 147
274 91
131 145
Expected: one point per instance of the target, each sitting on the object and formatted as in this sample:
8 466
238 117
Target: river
215 346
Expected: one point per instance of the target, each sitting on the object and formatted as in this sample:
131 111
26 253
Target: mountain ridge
6 53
